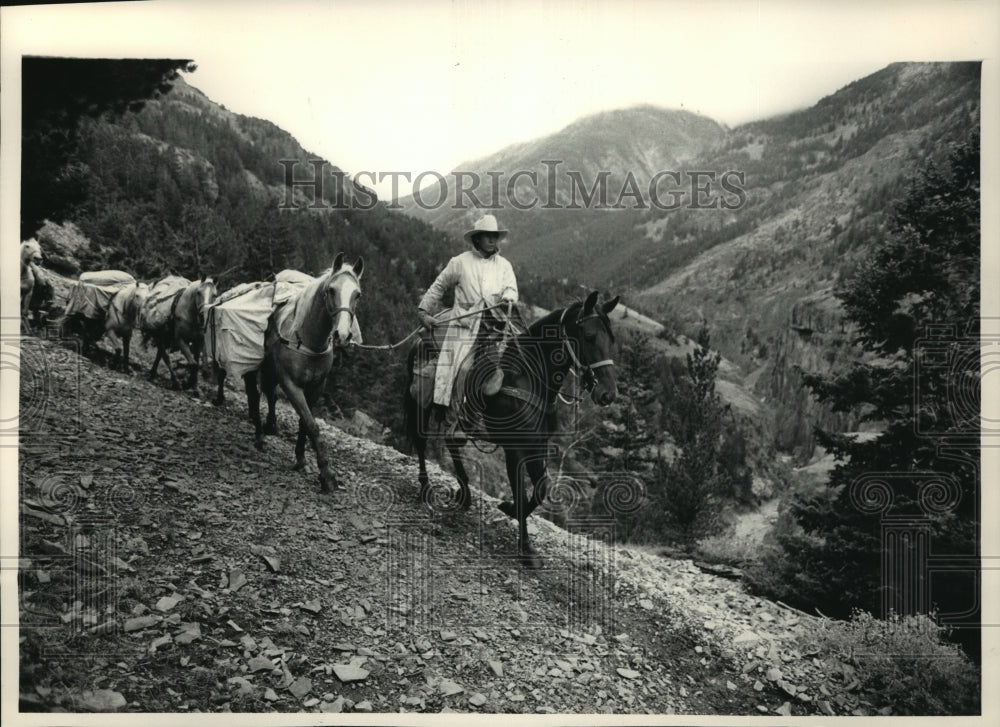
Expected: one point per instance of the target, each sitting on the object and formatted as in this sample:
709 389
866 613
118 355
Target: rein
415 331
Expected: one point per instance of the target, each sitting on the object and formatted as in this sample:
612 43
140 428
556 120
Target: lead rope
393 346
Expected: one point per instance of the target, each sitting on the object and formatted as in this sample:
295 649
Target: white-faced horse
298 354
31 255
122 319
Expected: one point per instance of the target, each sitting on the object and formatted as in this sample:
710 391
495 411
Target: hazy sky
415 86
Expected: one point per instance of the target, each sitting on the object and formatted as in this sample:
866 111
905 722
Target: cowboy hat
486 223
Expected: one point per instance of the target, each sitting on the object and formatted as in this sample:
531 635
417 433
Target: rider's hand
427 320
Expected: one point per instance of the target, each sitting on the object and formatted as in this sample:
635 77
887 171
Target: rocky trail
168 566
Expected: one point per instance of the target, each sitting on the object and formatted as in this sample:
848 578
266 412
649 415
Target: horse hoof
259 445
531 561
218 402
508 509
464 499
270 428
298 466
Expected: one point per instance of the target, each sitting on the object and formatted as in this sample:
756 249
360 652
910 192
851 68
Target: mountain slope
632 143
816 185
230 577
818 198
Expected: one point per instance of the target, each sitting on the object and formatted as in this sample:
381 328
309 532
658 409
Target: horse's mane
551 319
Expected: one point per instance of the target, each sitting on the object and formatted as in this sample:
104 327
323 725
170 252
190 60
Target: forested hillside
186 187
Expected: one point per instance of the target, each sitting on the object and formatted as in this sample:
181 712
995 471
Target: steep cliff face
816 340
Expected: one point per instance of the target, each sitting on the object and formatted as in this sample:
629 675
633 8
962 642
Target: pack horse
31 257
284 334
299 348
173 317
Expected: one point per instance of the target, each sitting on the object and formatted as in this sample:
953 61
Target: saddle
483 363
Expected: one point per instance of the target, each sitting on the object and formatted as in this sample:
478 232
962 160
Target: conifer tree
900 499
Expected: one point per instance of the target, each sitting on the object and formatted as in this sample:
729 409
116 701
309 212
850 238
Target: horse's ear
588 305
338 261
359 267
610 305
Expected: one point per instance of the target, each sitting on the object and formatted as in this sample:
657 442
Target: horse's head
140 291
206 294
589 331
342 290
31 252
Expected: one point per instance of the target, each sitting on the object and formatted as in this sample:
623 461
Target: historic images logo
549 189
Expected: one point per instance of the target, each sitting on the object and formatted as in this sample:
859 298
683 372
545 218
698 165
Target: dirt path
168 566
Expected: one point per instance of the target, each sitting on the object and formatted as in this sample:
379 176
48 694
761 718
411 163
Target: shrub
907 662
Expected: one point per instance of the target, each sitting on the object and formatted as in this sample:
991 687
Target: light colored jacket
478 282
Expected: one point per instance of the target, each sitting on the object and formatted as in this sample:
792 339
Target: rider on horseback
480 278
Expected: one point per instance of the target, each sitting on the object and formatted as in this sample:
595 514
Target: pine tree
910 494
688 489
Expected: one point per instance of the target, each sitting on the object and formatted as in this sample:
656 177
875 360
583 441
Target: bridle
585 372
349 310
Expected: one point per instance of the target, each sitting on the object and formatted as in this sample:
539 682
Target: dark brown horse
520 418
298 354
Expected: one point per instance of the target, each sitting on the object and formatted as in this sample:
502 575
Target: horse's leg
538 471
464 497
307 424
269 382
327 478
174 384
418 435
220 380
25 308
192 360
300 446
116 345
202 358
519 465
253 404
156 361
126 350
